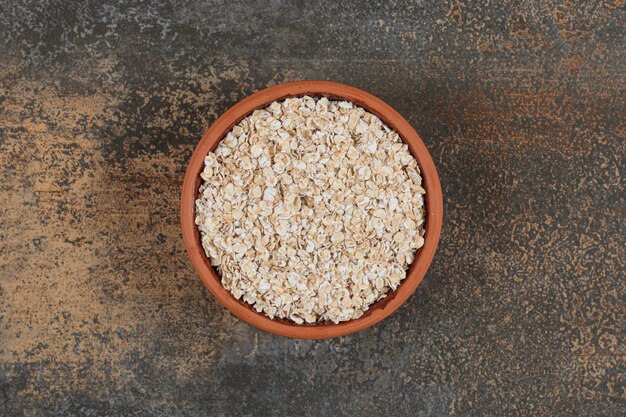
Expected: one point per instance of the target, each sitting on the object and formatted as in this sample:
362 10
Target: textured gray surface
521 105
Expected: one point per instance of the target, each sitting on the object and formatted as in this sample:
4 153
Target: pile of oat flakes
311 210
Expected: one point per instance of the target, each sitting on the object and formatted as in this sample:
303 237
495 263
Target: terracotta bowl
433 203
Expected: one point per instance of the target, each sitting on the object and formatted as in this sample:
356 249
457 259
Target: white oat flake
311 210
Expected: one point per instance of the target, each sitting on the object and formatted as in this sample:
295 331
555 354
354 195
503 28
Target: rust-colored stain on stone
521 106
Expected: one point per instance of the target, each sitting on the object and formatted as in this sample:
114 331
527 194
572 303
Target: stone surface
520 103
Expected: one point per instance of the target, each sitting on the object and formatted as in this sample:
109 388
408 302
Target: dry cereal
311 210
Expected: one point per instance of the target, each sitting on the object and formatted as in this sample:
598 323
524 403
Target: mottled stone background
522 105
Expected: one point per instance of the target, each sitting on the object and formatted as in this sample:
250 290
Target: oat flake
311 210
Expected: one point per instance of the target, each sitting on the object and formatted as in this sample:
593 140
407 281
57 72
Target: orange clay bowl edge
433 202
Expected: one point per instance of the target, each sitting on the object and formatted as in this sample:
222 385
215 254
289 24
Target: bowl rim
433 201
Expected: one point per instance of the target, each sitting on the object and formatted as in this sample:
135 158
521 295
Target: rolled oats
311 210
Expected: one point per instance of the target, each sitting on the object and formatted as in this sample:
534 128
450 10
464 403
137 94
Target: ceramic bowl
332 90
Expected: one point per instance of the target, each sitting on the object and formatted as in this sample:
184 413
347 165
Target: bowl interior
333 91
